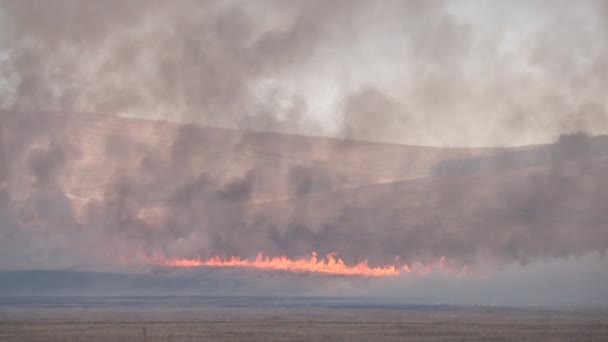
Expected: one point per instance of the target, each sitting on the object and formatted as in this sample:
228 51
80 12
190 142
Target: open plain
284 319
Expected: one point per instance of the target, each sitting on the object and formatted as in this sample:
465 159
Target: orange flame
329 265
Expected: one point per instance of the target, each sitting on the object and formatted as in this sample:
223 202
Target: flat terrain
283 319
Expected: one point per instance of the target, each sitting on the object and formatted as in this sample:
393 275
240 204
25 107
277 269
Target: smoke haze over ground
111 151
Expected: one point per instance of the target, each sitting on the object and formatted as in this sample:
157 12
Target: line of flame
329 265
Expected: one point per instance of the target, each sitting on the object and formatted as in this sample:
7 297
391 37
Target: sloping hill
97 147
112 188
523 214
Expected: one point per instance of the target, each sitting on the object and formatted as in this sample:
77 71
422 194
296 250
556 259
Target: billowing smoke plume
418 72
90 190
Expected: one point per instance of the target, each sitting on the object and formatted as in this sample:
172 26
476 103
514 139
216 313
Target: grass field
271 319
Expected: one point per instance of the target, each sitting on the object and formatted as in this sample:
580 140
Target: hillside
187 191
100 146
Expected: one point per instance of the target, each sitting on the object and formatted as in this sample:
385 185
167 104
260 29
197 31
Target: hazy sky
416 72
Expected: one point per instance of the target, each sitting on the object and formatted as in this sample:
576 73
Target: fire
328 265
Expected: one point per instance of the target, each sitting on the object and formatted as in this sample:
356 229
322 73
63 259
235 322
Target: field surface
283 319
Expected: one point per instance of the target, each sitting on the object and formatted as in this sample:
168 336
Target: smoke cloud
99 190
189 158
417 72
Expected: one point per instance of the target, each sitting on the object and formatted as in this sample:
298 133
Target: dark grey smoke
98 191
95 191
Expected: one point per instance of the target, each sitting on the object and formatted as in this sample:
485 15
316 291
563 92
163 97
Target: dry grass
301 324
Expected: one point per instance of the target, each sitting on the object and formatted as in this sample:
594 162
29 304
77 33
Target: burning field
329 265
445 154
167 200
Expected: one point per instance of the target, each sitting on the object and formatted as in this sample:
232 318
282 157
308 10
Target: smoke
192 61
97 191
419 72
